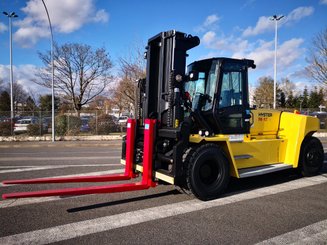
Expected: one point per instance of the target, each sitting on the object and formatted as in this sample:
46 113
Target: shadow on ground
236 186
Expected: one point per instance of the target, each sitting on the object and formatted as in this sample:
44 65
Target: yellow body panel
264 122
262 152
293 129
275 137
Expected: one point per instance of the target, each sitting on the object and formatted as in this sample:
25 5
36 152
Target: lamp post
52 77
10 16
276 19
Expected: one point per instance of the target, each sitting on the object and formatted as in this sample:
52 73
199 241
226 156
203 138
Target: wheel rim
312 157
209 172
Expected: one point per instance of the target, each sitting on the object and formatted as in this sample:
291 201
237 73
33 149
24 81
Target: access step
255 171
245 156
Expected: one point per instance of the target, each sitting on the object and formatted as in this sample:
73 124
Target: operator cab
217 91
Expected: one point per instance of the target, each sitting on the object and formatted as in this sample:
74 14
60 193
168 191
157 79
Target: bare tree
131 70
318 58
263 94
81 73
30 104
1 85
287 86
124 95
4 103
19 94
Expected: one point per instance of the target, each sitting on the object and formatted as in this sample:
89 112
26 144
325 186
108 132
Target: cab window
231 89
211 85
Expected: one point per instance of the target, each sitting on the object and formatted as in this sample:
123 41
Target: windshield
206 83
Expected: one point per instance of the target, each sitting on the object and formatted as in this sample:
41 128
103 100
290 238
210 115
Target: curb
84 138
320 135
73 141
63 144
66 141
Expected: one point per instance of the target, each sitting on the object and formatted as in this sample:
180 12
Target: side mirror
193 76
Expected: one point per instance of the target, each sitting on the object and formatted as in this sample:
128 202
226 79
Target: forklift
194 128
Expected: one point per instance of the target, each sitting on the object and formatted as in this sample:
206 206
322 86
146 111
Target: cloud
290 51
265 24
101 16
248 3
23 75
211 19
264 52
65 16
299 13
323 2
209 37
230 43
29 35
3 27
261 51
241 44
209 23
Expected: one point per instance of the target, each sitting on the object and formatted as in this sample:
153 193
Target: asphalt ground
279 208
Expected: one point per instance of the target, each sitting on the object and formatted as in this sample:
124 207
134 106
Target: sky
238 29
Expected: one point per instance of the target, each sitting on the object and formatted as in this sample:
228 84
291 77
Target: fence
39 123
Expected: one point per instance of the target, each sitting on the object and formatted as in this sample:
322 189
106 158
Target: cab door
232 110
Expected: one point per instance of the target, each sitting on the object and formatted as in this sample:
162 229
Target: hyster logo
265 114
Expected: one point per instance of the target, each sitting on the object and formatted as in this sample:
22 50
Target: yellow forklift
195 129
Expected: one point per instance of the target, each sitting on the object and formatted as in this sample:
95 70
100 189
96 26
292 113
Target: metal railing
39 123
87 123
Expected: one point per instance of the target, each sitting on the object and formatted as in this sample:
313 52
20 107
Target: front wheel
311 156
207 173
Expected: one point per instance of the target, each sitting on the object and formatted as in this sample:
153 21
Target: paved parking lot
278 208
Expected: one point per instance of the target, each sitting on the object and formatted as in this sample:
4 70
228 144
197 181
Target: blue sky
240 29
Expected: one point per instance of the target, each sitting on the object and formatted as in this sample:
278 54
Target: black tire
207 173
182 185
311 157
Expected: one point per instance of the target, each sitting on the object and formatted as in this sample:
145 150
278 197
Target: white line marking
87 227
26 169
27 201
63 165
12 159
70 152
14 169
311 234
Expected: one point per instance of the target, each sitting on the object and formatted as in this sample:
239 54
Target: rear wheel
311 156
207 173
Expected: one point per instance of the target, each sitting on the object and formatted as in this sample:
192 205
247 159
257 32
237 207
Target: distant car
5 119
21 125
85 127
122 120
322 115
46 123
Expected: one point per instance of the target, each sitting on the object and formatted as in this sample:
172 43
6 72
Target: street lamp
52 77
10 16
276 19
